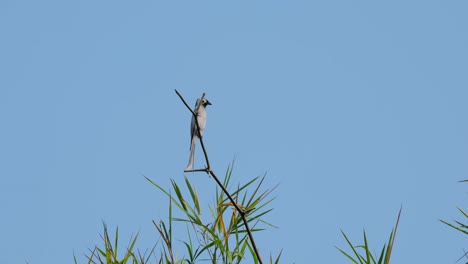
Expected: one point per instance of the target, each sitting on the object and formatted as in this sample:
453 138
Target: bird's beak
208 102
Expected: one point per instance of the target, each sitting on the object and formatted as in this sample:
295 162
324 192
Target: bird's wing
193 126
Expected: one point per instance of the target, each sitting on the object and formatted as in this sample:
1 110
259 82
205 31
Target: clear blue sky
354 107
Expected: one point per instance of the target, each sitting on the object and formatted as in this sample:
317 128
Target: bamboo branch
208 170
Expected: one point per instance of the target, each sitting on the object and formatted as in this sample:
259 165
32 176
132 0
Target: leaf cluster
368 258
220 239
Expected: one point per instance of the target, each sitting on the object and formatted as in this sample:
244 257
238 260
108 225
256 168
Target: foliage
459 226
222 239
368 257
108 254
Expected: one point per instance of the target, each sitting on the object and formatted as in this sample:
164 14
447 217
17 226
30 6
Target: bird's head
205 102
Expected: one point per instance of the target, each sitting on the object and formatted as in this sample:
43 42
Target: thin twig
197 170
242 214
166 241
208 170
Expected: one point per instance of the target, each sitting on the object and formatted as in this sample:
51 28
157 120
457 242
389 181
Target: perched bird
200 112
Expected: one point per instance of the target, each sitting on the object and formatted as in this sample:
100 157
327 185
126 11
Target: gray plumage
200 112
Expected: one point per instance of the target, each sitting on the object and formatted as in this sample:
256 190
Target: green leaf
366 248
353 249
194 195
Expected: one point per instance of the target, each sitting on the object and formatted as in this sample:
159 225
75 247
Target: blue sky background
354 107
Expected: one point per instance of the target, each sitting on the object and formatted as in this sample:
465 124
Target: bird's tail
192 153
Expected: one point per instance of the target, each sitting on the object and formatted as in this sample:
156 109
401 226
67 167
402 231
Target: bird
200 112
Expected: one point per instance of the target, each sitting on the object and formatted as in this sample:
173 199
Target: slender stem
242 213
220 184
168 243
196 170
